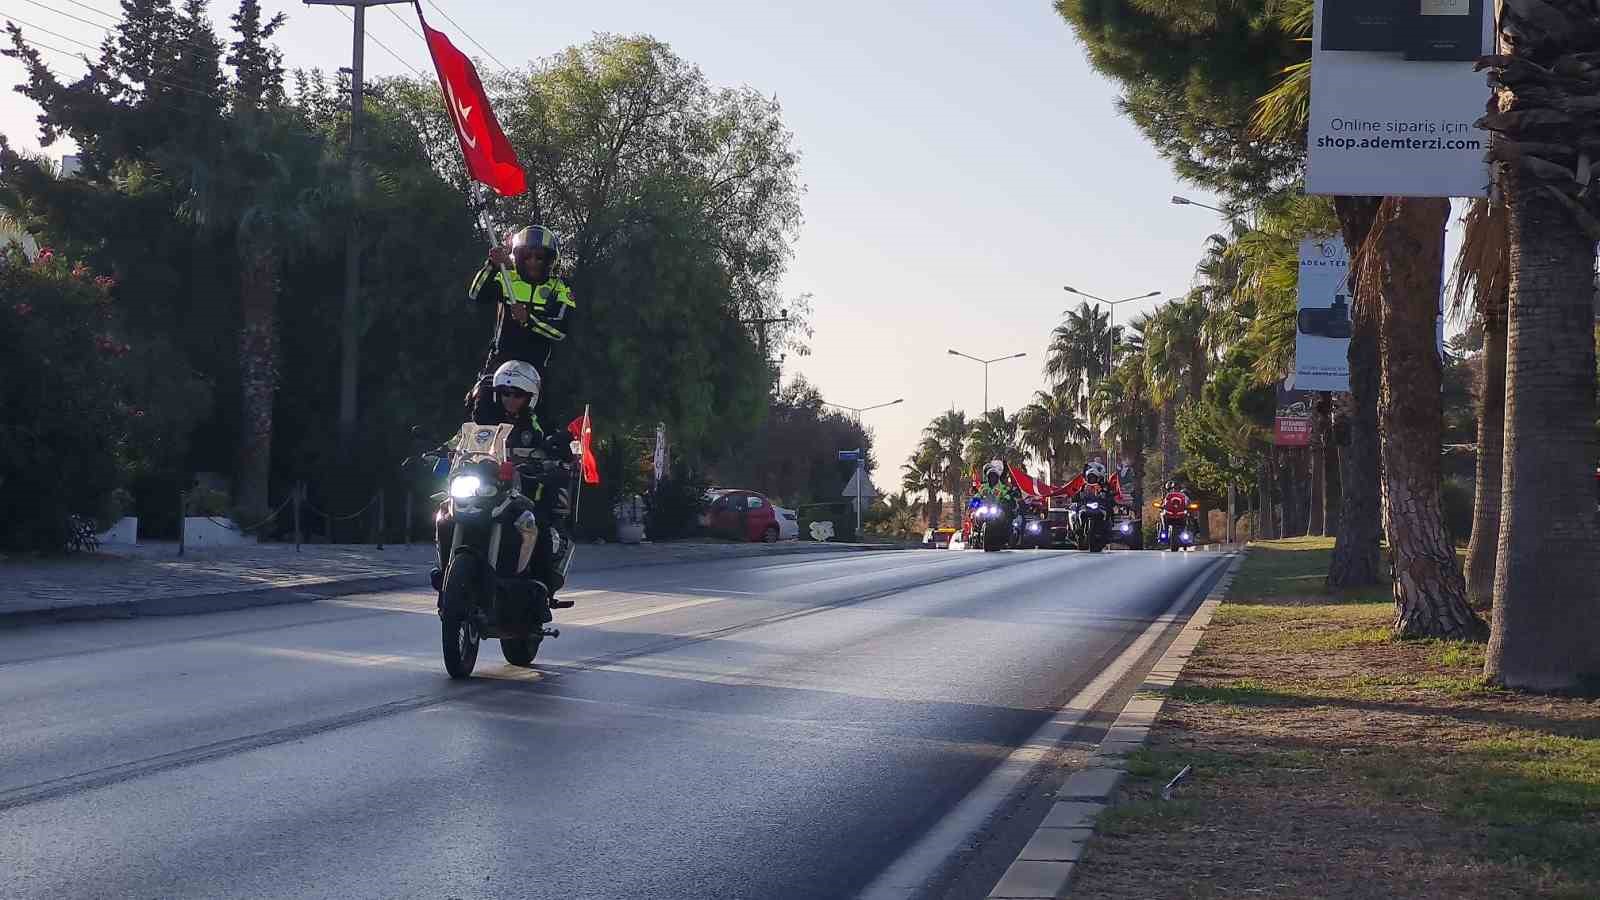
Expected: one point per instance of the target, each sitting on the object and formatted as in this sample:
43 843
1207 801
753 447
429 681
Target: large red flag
581 430
489 156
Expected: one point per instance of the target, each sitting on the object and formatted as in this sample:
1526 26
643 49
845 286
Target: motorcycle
1029 528
488 515
1091 528
991 523
1179 526
1125 529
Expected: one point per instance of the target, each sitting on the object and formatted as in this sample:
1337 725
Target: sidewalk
151 579
1326 760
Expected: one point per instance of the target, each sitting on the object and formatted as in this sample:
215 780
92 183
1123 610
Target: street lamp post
1185 201
1111 329
861 458
986 363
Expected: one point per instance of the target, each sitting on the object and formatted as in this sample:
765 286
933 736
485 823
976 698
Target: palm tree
949 433
996 436
1175 367
1051 429
1077 350
1482 284
1122 401
1546 635
924 474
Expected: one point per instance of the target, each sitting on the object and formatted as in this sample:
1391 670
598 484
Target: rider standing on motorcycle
516 386
533 307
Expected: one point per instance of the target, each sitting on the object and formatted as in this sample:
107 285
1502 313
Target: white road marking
909 875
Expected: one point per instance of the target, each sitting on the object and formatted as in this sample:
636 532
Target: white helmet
518 376
994 467
1094 472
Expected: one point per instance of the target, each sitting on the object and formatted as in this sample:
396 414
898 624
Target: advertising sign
1292 425
1394 98
1322 327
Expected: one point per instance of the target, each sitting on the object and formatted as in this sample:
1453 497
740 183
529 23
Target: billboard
1322 325
1394 98
1292 424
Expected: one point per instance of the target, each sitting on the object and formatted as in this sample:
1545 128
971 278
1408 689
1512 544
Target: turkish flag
581 430
489 156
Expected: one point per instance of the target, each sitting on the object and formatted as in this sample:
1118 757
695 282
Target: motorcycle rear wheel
520 651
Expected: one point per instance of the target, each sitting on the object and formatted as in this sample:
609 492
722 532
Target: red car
742 515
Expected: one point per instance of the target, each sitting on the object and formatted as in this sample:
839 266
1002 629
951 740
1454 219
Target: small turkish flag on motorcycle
489 156
581 430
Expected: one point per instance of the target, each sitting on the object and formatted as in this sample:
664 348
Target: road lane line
911 874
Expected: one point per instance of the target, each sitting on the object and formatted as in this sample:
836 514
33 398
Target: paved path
751 728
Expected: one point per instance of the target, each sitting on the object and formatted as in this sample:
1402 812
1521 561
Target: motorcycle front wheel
458 633
994 536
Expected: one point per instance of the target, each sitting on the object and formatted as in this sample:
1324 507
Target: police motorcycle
1089 514
1126 529
1179 523
489 520
1031 527
1091 522
992 520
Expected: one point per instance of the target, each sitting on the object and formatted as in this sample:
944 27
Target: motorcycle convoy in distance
489 527
1085 524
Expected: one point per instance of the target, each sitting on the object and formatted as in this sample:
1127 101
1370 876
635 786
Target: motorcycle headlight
1126 528
1033 527
1185 536
464 487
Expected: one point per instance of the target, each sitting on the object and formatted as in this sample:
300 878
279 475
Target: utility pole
761 329
350 320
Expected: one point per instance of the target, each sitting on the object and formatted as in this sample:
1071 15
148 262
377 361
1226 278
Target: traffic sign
849 455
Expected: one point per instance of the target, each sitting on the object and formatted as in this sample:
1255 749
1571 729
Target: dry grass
1331 761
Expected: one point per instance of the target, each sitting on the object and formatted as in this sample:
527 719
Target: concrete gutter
1044 868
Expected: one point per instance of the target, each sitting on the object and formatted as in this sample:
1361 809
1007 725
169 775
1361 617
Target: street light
1185 201
986 363
859 410
1111 330
861 461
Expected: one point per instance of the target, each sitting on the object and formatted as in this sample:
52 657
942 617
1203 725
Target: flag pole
577 497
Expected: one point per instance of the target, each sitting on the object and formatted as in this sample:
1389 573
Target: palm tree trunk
1169 438
1330 466
1485 543
1430 593
258 381
1355 550
1546 631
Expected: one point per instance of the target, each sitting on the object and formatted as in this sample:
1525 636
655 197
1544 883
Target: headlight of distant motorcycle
1126 528
464 487
1033 527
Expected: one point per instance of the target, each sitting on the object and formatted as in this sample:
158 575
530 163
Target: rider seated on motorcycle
516 386
994 489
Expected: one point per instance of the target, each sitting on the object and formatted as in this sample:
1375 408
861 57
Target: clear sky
962 163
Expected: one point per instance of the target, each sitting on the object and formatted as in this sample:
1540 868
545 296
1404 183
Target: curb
1044 868
251 598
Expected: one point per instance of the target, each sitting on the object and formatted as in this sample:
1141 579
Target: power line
96 9
402 20
374 38
80 58
218 48
64 37
467 33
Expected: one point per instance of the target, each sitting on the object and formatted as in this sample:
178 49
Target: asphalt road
746 728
